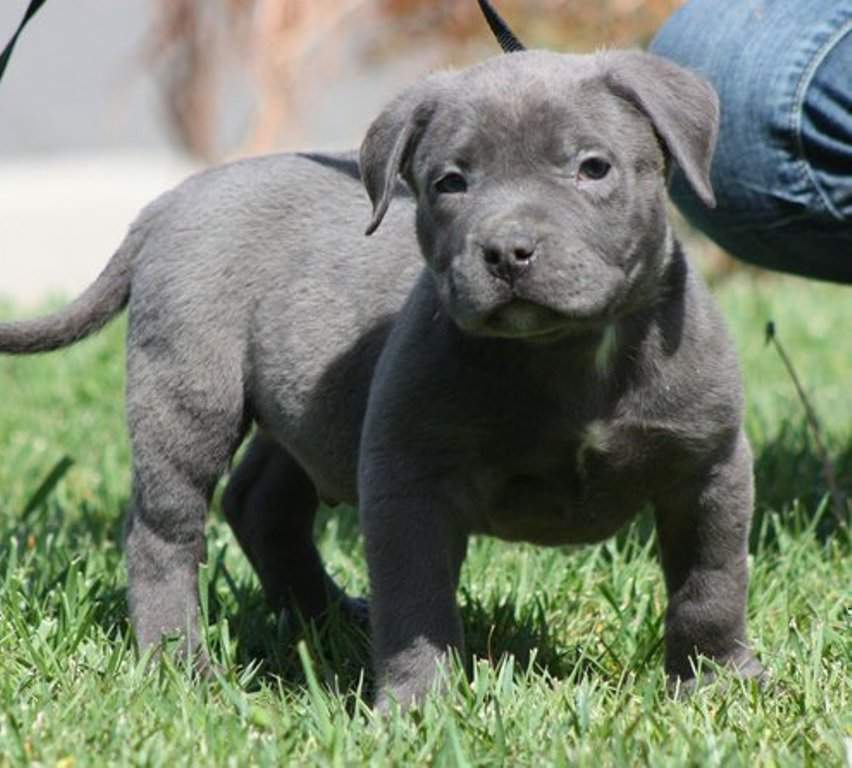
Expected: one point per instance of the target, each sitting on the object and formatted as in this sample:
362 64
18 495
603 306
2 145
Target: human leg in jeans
782 173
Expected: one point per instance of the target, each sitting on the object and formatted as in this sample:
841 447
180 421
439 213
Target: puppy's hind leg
185 423
271 503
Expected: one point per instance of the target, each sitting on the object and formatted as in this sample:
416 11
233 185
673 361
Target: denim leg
782 172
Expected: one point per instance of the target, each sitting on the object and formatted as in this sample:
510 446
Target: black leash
508 42
7 51
501 30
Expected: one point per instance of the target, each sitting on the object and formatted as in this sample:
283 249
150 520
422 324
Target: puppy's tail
89 312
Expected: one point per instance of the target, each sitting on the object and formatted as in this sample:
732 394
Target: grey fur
555 366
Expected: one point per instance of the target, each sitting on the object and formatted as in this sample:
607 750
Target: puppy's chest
559 486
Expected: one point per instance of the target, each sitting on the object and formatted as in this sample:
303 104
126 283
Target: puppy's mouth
526 320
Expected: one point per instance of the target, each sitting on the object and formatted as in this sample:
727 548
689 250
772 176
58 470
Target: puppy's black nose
507 257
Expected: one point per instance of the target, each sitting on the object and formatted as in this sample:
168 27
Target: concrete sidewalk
62 217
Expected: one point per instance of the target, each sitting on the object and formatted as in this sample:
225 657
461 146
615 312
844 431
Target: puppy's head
540 182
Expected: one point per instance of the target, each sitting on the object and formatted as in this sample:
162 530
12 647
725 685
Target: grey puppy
555 366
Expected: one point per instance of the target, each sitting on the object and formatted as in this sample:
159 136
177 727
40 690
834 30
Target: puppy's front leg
414 555
703 531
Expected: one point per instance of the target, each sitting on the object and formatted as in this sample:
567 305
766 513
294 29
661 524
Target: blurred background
106 104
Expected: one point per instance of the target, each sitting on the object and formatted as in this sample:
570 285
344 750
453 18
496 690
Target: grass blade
60 469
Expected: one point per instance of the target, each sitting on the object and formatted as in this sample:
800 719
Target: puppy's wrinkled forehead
630 108
533 107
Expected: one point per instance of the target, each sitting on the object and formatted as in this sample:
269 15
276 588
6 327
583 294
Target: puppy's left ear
682 106
390 144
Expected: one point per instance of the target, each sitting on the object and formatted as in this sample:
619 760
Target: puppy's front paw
410 676
744 665
403 697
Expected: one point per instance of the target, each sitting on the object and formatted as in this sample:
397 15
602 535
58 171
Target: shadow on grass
340 651
494 627
787 470
500 627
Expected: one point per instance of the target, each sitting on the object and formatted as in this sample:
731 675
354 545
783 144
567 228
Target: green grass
567 667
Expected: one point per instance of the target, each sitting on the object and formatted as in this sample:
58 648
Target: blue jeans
782 172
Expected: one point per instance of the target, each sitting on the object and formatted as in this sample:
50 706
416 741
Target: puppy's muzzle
507 257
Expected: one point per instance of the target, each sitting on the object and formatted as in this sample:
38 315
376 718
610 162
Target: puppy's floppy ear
683 108
389 146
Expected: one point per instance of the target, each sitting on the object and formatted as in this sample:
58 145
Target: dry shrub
282 43
578 24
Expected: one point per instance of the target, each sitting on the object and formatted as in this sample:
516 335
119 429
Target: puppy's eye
452 183
594 169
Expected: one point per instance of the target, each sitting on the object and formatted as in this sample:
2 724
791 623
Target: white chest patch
594 439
